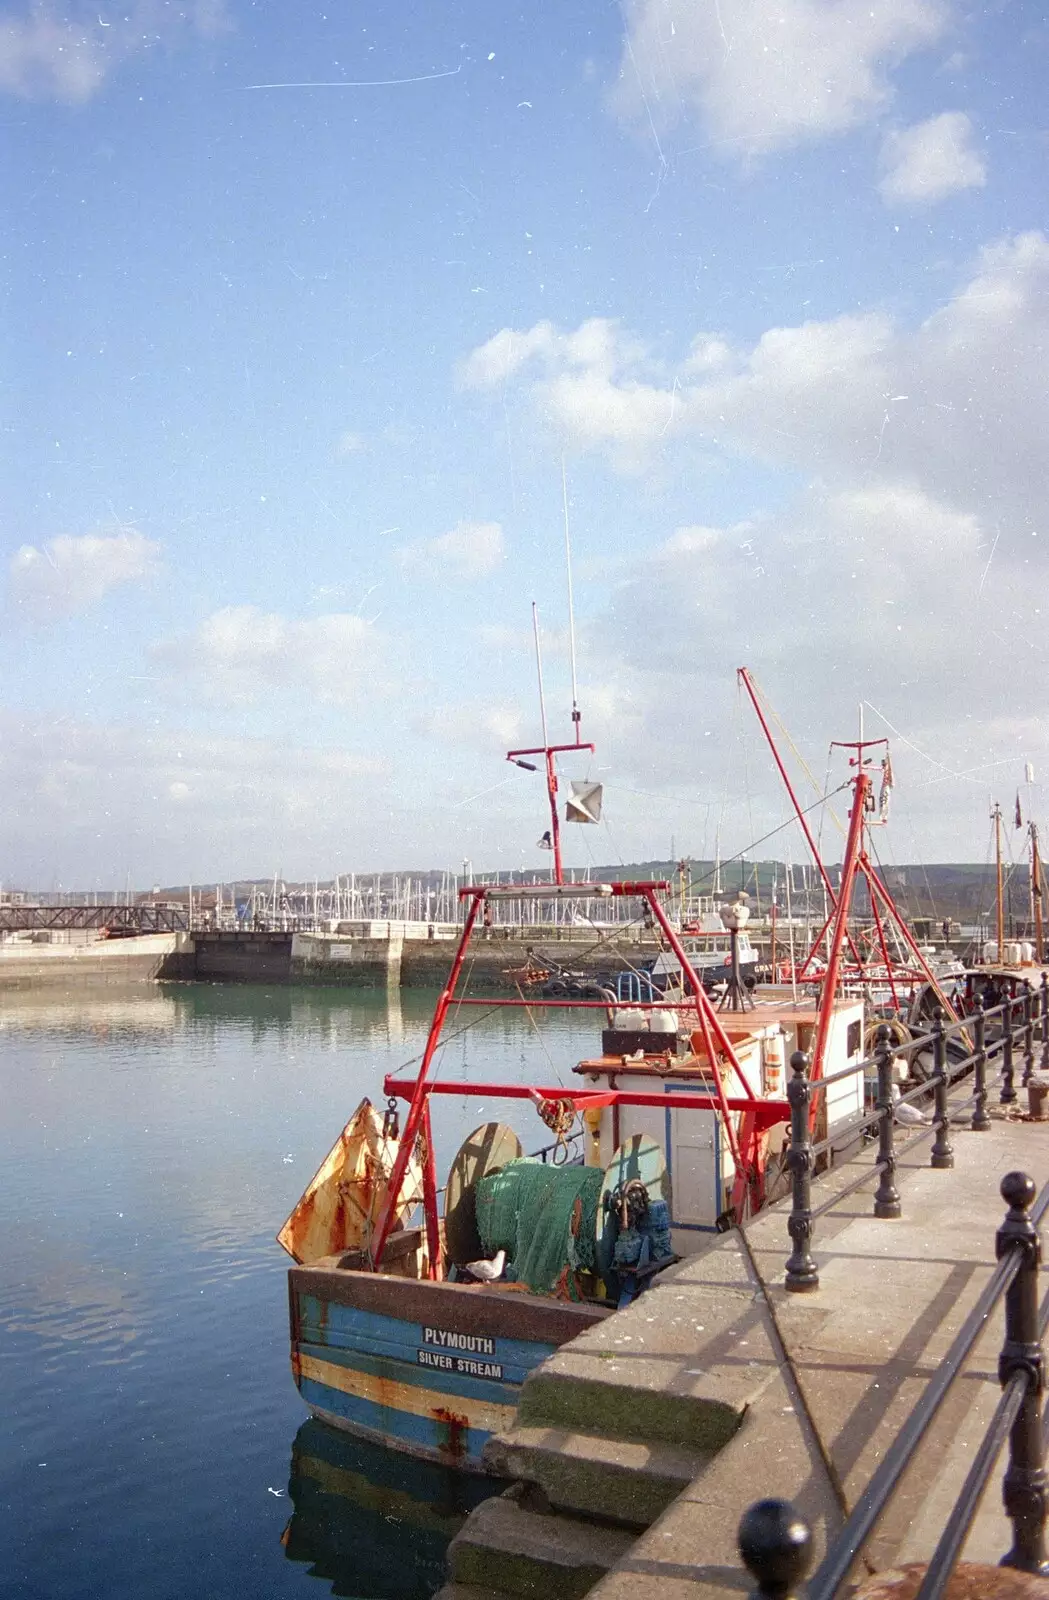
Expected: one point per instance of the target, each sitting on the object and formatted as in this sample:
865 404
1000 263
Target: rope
539 1036
560 1117
826 782
746 765
799 758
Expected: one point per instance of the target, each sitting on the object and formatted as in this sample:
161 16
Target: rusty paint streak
454 1428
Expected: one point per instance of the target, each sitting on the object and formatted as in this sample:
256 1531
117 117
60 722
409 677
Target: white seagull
907 1115
488 1271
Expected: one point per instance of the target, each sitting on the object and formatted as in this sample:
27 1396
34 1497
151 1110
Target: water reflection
134 1011
374 1524
153 1140
328 1017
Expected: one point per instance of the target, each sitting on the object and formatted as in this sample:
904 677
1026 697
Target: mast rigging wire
753 845
571 607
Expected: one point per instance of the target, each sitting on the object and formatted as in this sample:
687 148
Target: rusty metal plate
340 1207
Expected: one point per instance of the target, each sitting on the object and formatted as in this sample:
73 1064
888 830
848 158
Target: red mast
849 868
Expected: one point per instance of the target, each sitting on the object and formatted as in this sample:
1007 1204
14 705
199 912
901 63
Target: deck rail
776 1543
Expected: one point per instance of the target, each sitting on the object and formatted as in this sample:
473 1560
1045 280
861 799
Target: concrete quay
35 966
762 1393
392 959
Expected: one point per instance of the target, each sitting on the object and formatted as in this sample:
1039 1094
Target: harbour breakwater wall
66 966
395 961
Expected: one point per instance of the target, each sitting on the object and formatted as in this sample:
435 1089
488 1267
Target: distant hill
963 891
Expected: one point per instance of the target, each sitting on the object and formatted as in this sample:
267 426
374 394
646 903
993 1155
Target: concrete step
679 1367
624 1403
521 1552
628 1481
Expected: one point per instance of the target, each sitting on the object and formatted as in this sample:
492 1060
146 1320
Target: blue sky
304 308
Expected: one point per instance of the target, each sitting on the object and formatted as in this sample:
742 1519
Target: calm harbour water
152 1141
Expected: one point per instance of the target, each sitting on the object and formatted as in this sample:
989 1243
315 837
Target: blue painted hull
431 1369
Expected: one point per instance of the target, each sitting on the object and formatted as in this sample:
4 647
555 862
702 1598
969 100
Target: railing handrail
919 1042
802 1274
776 1543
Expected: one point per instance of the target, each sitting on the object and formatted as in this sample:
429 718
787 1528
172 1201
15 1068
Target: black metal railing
1018 1020
777 1544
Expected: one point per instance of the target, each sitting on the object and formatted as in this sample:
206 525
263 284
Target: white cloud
72 574
764 77
597 386
90 801
505 354
931 160
907 567
350 444
240 654
870 593
685 541
469 550
66 52
957 405
476 724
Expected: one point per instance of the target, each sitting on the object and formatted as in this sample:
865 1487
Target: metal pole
999 919
1027 1012
1008 1094
942 1153
876 887
1044 997
802 1273
853 849
571 606
980 1120
434 1268
1036 896
887 1197
388 1209
1024 1488
743 674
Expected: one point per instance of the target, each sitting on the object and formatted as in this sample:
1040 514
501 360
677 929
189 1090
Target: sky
320 321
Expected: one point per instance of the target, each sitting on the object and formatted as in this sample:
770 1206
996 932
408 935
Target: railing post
1044 1009
1008 1094
1024 1488
802 1272
980 1120
887 1196
942 1153
1028 1027
776 1546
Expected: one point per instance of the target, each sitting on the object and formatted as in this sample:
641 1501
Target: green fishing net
529 1209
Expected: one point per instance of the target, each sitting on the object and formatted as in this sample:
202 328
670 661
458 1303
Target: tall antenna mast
539 669
576 716
999 924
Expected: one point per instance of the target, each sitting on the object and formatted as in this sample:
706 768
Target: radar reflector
584 803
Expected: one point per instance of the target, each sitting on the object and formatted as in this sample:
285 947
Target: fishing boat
419 1310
